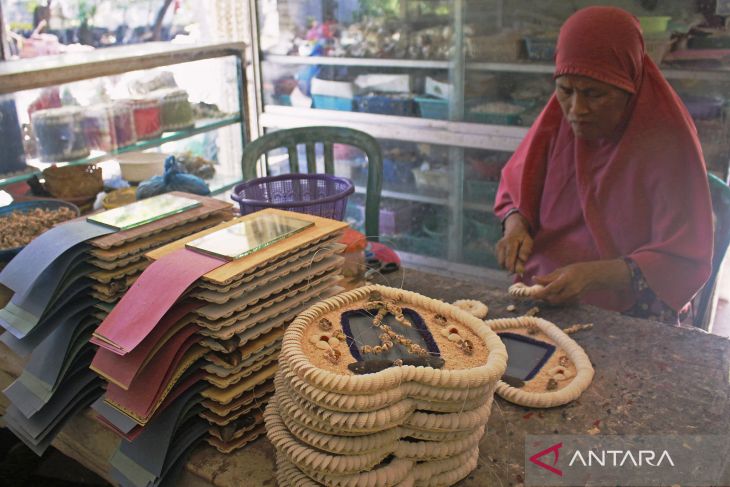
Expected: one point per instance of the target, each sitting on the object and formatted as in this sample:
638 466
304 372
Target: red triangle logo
555 450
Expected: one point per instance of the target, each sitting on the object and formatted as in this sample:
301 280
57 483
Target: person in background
606 200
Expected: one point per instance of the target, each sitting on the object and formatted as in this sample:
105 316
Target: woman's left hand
567 284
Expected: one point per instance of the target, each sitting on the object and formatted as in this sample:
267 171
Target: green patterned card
143 211
248 236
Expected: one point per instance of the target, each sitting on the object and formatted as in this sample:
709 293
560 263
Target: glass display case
450 88
123 107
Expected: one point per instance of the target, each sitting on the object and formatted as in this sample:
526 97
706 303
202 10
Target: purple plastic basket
315 194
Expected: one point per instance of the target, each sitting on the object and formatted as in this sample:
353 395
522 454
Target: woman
606 200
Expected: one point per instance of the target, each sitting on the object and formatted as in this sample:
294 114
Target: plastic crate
481 191
704 108
327 102
495 118
540 48
433 107
420 244
395 218
385 104
431 180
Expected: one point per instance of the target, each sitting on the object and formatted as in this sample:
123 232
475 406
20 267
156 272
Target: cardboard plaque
248 236
144 211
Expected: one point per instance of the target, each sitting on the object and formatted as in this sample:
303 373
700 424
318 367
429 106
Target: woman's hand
567 284
515 247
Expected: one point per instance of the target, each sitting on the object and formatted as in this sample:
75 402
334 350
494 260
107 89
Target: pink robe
642 193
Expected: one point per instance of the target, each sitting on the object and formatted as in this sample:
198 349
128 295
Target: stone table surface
650 378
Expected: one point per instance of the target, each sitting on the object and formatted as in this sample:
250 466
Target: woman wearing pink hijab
606 200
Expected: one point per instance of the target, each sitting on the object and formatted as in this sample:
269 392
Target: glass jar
122 116
60 135
147 120
98 125
177 114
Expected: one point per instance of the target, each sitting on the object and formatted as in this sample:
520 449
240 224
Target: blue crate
540 48
385 104
327 102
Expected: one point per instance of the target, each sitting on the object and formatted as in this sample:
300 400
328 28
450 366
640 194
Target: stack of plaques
60 287
380 386
191 349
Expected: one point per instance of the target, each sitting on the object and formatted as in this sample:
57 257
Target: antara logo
555 450
619 458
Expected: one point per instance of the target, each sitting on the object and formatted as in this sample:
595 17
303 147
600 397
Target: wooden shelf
201 126
507 67
26 74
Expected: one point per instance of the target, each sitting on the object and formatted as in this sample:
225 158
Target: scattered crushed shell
577 327
325 324
563 361
398 362
532 311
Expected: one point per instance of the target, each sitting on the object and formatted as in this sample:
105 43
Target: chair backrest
327 136
706 300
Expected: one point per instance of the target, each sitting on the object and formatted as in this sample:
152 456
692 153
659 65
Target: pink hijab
642 194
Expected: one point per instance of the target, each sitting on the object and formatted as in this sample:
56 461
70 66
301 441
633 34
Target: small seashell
511 307
560 373
323 345
387 344
375 296
366 349
397 362
377 349
314 339
563 361
532 311
453 337
384 336
523 290
339 335
332 355
325 324
552 385
445 332
440 319
467 347
333 342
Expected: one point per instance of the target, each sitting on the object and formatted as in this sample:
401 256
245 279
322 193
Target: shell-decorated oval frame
394 377
547 399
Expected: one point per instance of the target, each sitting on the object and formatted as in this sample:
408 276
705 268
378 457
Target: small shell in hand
473 307
523 290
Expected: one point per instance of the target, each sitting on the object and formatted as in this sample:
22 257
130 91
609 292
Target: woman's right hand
515 247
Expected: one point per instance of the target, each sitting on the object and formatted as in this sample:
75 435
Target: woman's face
594 109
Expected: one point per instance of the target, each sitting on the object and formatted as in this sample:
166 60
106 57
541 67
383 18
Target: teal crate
327 102
481 191
430 107
420 244
493 118
481 258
